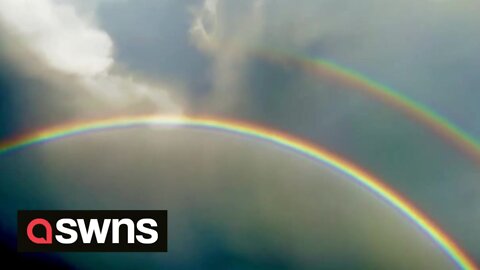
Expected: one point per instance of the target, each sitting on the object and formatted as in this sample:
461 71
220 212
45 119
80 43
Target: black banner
92 230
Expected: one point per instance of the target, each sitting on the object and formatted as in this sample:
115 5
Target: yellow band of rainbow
358 175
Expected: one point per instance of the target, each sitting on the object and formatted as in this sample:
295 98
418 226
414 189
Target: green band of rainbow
355 173
354 80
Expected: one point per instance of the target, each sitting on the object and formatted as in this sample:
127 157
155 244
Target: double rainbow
356 174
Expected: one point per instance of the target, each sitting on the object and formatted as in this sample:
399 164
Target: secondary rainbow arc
354 80
355 173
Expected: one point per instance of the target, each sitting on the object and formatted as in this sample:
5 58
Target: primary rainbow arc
358 175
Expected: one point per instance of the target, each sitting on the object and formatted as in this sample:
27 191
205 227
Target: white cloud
204 25
73 44
55 32
228 37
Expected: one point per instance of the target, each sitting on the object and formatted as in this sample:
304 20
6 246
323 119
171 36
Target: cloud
67 42
204 26
213 34
73 44
368 36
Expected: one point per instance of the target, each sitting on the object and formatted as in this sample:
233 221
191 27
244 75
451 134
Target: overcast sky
66 60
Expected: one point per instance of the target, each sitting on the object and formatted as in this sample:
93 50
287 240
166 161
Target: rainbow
356 174
354 80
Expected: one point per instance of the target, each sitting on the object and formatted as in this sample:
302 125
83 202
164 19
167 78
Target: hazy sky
66 60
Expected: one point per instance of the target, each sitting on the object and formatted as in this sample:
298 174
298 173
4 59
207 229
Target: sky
69 60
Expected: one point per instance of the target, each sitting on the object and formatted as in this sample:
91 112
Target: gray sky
98 58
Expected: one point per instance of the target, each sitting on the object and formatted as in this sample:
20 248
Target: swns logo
100 230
